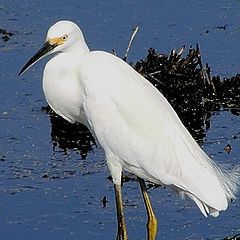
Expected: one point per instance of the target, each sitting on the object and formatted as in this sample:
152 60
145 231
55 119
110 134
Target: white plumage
132 121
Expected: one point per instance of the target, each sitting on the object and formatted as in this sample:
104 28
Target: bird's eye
64 37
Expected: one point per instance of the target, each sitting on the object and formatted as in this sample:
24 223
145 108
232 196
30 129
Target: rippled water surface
47 193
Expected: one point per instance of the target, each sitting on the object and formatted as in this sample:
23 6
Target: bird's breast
64 91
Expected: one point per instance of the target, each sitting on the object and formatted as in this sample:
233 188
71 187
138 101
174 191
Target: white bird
132 121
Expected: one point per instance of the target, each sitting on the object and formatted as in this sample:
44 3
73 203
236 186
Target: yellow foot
122 236
152 228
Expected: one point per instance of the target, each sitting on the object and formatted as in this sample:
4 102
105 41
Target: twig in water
135 30
204 71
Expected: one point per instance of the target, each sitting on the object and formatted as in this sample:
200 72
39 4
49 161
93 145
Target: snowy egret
132 121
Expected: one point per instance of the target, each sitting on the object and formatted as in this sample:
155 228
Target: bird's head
61 37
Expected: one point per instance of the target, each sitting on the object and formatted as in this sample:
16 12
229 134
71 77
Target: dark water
51 194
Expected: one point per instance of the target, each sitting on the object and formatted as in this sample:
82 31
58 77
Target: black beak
47 47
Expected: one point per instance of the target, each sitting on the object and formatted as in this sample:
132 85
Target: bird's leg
152 220
122 230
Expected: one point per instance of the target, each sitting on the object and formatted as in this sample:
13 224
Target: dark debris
104 202
5 35
236 237
228 93
228 148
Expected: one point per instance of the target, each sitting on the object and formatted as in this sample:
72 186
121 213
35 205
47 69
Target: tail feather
204 208
199 204
230 181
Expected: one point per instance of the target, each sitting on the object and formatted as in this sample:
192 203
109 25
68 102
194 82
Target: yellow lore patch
56 41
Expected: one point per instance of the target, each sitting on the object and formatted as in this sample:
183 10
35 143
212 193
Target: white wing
139 130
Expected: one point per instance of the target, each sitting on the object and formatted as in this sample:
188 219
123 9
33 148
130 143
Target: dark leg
122 230
152 221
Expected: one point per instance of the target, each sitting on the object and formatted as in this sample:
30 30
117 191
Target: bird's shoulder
107 64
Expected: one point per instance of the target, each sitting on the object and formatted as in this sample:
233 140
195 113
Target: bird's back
134 122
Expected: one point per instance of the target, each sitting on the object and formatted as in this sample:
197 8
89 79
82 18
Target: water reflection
66 135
